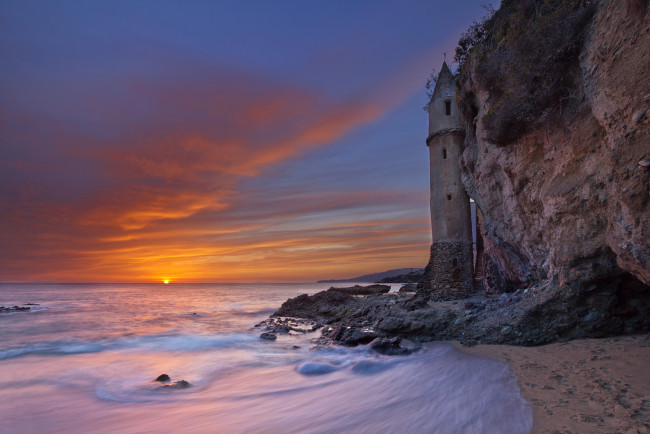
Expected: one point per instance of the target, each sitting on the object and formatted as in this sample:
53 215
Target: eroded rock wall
569 202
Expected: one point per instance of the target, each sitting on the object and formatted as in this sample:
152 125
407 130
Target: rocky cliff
567 200
556 104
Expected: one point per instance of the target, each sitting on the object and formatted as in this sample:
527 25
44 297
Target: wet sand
582 386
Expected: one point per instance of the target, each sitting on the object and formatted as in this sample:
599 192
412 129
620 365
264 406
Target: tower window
455 262
444 154
448 107
449 197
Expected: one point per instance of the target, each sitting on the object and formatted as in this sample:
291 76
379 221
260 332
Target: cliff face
568 202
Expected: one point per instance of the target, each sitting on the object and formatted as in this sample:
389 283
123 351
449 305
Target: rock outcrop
537 315
324 304
564 200
362 290
568 201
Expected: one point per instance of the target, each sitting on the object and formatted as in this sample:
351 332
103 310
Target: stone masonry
450 272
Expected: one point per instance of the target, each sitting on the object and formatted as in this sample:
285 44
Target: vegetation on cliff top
522 54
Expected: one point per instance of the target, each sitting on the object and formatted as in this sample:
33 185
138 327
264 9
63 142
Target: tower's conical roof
445 85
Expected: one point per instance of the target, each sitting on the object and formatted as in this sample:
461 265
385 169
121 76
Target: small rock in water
14 308
163 378
268 336
182 384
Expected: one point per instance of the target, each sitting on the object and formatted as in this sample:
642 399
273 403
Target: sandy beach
582 386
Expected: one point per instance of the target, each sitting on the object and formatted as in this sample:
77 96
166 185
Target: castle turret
449 274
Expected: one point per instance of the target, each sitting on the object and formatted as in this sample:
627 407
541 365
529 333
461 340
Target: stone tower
449 274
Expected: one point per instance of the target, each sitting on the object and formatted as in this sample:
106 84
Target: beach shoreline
586 385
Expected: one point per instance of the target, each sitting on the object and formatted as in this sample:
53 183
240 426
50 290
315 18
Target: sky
217 141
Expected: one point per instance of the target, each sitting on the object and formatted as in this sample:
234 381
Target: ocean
84 359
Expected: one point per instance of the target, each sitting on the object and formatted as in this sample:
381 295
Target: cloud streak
214 141
143 181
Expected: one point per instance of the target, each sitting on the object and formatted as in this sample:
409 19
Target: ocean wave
155 343
359 360
332 359
52 348
317 368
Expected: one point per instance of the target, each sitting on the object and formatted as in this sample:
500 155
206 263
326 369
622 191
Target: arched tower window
444 154
455 262
449 197
448 107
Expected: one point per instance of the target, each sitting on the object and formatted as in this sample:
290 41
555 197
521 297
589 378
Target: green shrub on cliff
522 54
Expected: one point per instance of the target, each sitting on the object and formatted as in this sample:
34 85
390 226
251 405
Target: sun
166 282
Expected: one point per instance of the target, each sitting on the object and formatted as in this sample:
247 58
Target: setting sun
166 282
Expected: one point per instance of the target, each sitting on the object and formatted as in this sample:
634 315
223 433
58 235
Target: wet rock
287 326
363 290
163 378
351 336
392 324
324 304
182 384
416 302
14 308
268 336
390 347
548 313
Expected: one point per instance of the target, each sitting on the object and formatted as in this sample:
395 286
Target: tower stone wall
450 272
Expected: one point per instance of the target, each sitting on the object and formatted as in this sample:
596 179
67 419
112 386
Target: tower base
449 275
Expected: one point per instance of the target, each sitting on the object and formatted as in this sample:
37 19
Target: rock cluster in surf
529 316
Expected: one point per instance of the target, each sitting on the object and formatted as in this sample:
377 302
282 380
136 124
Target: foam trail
160 343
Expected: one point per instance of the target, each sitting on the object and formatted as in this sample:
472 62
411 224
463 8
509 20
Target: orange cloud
156 190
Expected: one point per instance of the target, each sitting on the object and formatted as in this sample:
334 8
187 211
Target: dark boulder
14 308
324 304
351 336
182 384
268 336
163 378
390 347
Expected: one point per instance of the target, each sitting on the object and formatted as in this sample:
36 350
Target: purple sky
216 141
